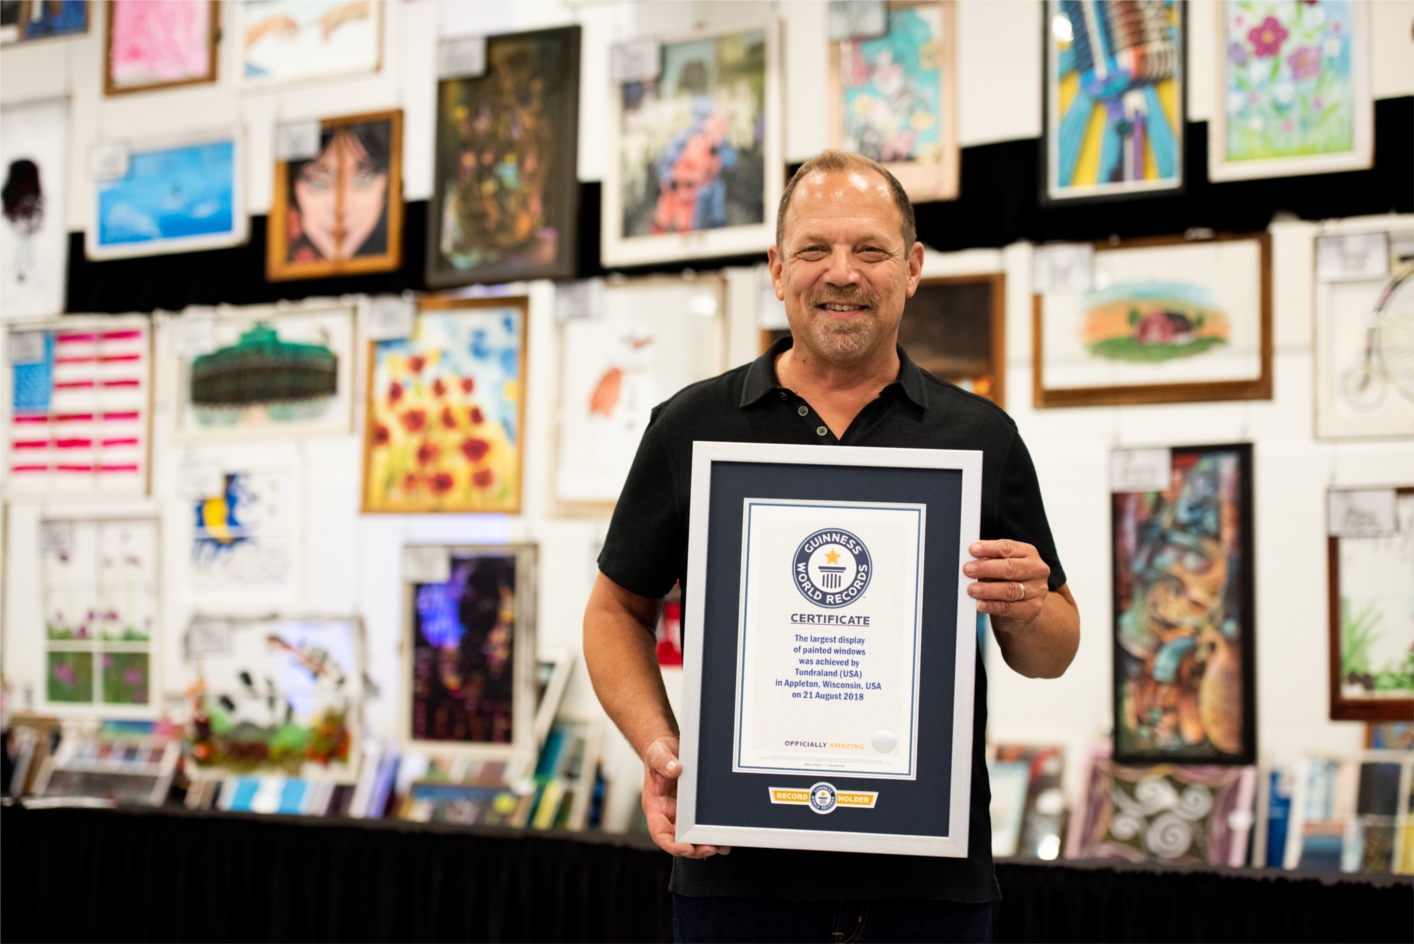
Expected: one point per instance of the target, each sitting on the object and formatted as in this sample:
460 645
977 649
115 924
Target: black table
136 875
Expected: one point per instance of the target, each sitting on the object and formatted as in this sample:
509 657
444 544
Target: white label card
1141 470
1356 257
1363 513
637 61
197 480
208 636
857 19
108 161
1067 268
463 58
390 317
297 140
828 638
579 299
422 564
56 537
26 347
193 336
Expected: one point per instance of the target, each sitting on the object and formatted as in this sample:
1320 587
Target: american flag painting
80 402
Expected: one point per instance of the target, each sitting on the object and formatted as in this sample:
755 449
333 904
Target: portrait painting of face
1183 613
340 211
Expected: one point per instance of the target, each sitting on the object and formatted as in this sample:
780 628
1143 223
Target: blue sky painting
169 194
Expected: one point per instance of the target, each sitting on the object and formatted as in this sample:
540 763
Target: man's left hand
1010 580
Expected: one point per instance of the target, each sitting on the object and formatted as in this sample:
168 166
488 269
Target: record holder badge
829 648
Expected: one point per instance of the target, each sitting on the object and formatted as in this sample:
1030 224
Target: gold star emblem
833 556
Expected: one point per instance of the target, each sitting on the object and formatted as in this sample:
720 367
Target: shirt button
822 431
784 396
803 411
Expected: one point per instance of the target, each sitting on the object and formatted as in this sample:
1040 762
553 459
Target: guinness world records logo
832 568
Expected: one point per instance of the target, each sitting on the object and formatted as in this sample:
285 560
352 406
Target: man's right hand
661 770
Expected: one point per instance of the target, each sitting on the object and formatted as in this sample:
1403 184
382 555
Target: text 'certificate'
828 638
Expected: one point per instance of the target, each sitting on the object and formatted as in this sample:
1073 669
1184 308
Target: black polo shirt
646 551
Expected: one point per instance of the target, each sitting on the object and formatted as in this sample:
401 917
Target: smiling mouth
842 306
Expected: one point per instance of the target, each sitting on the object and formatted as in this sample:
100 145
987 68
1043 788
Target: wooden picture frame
55 30
618 247
469 247
520 750
1300 53
381 426
1072 140
1173 685
213 34
280 226
1258 353
1342 706
924 181
311 17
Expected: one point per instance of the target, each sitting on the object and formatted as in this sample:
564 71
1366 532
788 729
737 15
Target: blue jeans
771 921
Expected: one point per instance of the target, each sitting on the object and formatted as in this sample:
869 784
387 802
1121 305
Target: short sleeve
647 535
1023 514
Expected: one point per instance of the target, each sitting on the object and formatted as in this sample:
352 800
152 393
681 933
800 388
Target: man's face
842 268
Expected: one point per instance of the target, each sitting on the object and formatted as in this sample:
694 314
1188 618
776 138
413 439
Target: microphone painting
340 211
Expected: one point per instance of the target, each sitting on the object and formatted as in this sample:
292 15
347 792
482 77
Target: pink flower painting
1305 63
1267 38
159 42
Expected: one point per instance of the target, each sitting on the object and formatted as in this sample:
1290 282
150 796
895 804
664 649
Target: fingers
662 758
1007 568
1002 548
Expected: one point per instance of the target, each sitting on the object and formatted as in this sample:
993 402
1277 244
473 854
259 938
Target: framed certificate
828 664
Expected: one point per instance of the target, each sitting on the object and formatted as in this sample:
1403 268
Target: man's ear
915 267
776 264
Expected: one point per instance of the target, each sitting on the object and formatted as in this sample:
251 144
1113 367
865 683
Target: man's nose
842 270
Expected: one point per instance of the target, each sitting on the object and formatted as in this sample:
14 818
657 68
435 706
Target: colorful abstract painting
172 199
80 402
463 685
42 19
276 696
1293 89
34 239
100 597
340 211
1164 321
241 539
650 340
287 40
1168 813
1183 618
505 195
445 408
1114 97
894 96
155 44
697 167
268 372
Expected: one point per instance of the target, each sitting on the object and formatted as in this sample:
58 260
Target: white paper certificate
828 638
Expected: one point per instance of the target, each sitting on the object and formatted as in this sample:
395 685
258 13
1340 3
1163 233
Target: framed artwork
1114 89
275 695
242 543
1364 354
1165 321
466 804
34 239
1293 89
893 98
506 186
80 406
650 338
444 427
263 371
42 19
290 40
1169 813
174 197
158 44
1028 805
552 676
696 164
288 796
469 655
341 211
1184 679
1371 593
126 768
1352 813
99 585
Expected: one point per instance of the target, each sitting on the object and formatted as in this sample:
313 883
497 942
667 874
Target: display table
136 875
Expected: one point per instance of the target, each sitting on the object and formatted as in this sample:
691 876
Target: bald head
859 172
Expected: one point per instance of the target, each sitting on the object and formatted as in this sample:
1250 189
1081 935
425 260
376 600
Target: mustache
844 296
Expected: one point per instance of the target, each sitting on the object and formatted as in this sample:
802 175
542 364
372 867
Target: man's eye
873 253
813 251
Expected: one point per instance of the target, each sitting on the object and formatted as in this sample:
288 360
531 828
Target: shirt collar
761 376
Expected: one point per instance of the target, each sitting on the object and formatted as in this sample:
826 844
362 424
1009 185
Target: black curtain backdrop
1000 203
140 875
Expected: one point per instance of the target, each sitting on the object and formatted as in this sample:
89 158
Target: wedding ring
1023 591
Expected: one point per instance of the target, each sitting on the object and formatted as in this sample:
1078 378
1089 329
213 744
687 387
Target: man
844 262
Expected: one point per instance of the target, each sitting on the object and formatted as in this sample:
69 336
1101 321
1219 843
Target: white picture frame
620 250
307 32
963 623
34 248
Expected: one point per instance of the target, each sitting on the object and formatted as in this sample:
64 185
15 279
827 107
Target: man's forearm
623 666
1044 647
